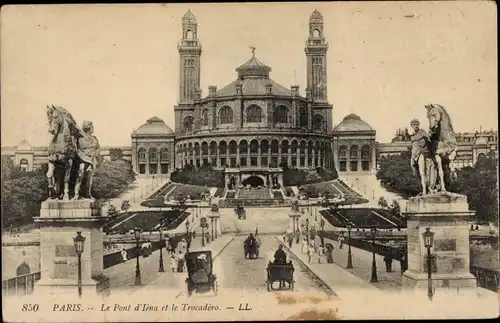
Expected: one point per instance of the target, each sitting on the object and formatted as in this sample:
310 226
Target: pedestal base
97 286
414 280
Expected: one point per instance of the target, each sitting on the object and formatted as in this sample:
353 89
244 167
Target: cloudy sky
117 65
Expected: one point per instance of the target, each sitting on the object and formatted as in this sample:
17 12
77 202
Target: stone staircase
254 194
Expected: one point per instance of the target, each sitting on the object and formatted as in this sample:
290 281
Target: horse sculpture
443 144
62 149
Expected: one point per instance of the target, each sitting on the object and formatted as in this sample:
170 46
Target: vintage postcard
249 161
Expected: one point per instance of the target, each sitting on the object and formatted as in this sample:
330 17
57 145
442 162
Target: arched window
233 147
294 146
304 116
141 154
226 115
213 148
284 146
365 152
243 147
190 149
303 146
354 152
204 117
189 34
188 123
222 147
264 146
274 146
23 163
164 154
254 114
316 33
23 269
204 148
196 148
342 152
254 147
318 122
281 114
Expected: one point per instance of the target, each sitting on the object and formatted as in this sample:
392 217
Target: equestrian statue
70 145
433 153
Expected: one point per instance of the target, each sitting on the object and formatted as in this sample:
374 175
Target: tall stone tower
316 49
190 54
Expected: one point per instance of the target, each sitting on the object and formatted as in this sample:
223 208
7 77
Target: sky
118 65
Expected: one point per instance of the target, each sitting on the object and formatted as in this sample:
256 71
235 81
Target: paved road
236 272
267 220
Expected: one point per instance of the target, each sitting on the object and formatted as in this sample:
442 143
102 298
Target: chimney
269 88
295 90
212 91
239 88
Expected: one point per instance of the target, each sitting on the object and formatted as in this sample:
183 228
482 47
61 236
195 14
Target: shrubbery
203 176
297 177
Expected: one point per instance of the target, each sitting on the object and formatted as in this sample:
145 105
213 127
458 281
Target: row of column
359 159
322 157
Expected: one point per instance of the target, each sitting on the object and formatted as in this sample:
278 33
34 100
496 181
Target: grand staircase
254 193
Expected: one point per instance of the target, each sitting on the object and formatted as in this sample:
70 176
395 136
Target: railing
20 285
270 129
486 278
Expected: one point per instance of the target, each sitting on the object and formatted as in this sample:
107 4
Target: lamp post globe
428 237
79 242
137 236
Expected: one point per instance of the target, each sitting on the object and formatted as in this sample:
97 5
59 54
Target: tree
395 207
396 175
382 202
115 154
125 206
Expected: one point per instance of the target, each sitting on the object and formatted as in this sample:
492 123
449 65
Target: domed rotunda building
253 125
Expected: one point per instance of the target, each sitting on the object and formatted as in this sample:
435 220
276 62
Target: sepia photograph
249 161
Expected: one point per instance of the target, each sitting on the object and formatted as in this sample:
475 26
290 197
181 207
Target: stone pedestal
294 221
446 215
59 222
213 218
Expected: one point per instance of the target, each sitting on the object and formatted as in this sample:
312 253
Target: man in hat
419 145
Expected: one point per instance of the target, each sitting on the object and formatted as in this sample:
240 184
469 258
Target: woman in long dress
311 251
304 246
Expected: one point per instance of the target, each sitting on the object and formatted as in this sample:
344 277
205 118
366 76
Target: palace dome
316 15
189 17
253 76
352 122
154 126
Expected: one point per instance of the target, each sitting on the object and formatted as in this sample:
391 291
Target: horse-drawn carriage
282 273
201 278
251 248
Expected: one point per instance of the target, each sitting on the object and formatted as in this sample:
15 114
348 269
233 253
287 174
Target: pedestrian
304 246
124 255
173 262
193 234
388 261
321 253
180 262
341 241
297 236
311 251
290 240
207 236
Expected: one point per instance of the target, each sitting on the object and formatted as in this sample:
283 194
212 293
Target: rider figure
419 145
251 240
280 255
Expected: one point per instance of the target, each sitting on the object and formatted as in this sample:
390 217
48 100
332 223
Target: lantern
428 238
203 222
79 242
137 233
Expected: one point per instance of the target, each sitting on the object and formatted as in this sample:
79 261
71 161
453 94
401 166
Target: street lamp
349 255
137 235
428 243
322 224
161 269
203 224
188 236
212 235
374 278
307 230
79 242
